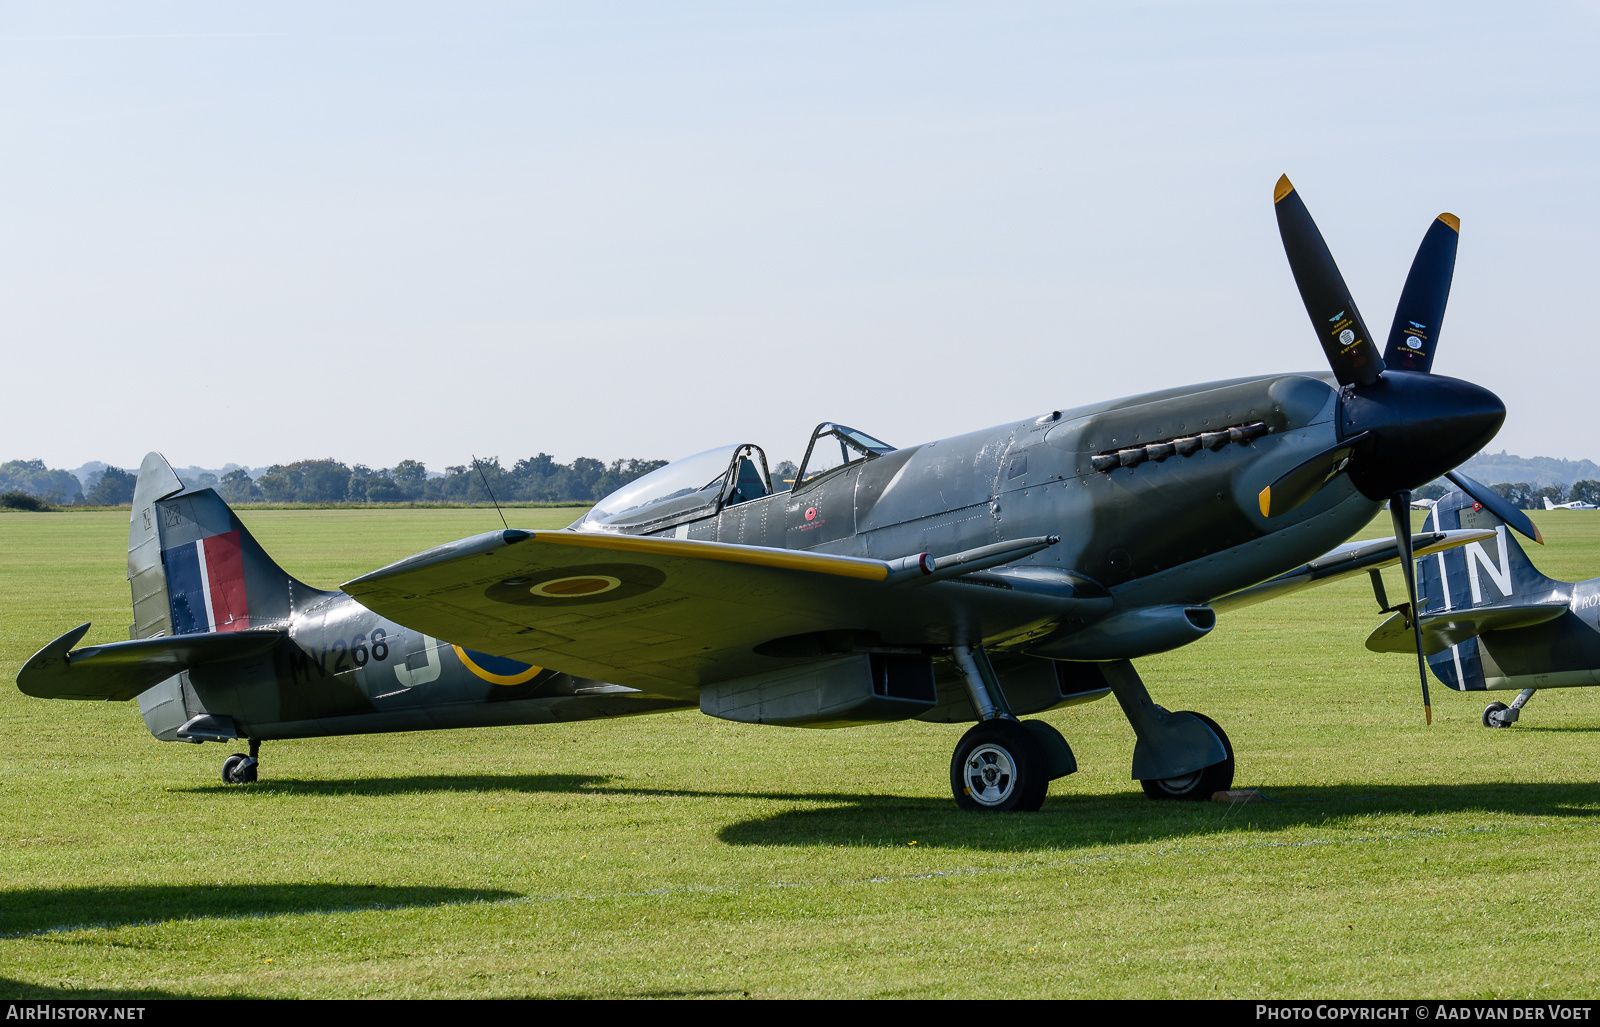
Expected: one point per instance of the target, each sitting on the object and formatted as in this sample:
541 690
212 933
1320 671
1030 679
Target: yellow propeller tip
1453 221
1282 189
1265 500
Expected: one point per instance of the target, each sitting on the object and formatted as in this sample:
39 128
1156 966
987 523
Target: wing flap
119 671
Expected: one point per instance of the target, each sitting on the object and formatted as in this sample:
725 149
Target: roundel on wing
497 670
577 586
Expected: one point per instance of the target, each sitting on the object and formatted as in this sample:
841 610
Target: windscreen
834 445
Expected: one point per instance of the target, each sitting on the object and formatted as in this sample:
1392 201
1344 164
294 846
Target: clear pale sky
261 233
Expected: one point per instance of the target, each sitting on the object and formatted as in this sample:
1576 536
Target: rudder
1495 572
1489 573
195 568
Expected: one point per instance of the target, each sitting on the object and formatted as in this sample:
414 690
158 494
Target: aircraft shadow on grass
381 786
1067 821
43 911
1075 822
15 990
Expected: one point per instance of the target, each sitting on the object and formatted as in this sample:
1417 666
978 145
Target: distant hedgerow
16 500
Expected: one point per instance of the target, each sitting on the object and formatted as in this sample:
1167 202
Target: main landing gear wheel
1491 715
1198 786
998 766
239 769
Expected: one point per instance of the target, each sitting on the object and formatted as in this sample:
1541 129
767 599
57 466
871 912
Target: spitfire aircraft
979 578
1490 621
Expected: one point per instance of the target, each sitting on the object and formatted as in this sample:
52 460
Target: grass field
681 855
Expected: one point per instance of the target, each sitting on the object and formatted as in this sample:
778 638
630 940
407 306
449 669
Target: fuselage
1560 653
1178 523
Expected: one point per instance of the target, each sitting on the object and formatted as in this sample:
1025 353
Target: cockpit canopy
701 485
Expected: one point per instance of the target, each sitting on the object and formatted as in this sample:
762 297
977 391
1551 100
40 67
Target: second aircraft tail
1466 591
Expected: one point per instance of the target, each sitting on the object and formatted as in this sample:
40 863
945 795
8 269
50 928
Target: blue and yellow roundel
497 670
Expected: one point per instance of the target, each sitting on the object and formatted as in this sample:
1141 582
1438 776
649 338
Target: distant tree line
1523 495
1527 497
33 478
538 479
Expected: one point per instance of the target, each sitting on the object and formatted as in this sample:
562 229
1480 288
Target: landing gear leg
998 765
240 769
1498 714
1178 755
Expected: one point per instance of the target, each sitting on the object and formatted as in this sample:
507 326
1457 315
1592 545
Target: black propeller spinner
1400 425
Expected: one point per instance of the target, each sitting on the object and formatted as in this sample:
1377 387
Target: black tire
998 768
230 768
247 774
1198 786
1494 707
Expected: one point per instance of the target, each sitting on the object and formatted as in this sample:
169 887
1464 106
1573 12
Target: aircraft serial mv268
976 578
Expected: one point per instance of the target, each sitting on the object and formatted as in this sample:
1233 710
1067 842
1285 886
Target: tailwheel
1492 715
240 769
1199 785
999 766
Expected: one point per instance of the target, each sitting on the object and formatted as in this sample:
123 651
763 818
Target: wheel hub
1179 785
991 774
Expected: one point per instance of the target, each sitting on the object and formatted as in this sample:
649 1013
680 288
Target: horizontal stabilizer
1350 558
1442 630
119 671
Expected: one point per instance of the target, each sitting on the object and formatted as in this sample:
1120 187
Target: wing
667 615
1350 558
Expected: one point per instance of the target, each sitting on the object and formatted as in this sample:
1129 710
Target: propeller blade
1415 332
1400 515
1497 504
1301 483
1344 336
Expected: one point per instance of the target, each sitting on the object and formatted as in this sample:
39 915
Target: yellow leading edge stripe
842 566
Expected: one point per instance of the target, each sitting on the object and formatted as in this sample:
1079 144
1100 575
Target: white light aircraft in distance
1576 504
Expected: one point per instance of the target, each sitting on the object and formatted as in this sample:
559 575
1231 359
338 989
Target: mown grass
680 855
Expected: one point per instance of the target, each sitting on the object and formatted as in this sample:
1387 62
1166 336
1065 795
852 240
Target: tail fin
195 568
1547 504
1490 573
1493 573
